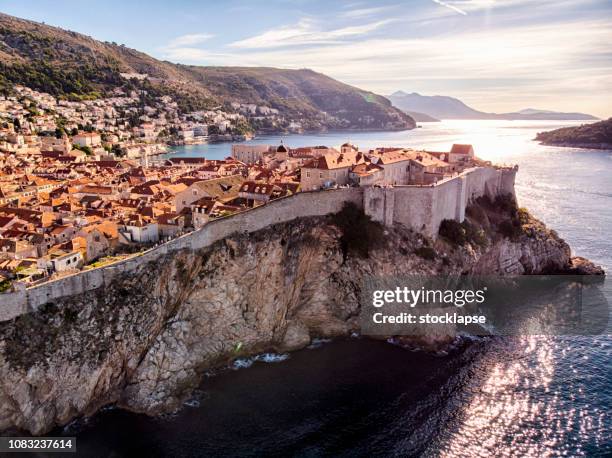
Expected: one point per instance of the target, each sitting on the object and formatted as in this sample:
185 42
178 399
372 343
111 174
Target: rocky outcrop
145 342
582 266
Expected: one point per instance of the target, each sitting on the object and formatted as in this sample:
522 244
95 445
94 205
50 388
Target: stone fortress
419 207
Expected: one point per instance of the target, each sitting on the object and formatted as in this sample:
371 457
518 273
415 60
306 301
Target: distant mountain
438 106
596 135
421 117
444 107
531 113
74 66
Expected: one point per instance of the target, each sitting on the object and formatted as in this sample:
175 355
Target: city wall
421 208
278 211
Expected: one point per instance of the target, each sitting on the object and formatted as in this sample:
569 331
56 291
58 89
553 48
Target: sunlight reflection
515 413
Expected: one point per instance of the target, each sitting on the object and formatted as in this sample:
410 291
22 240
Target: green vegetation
118 151
359 233
5 285
76 83
463 233
86 149
453 231
511 227
517 218
242 128
505 204
485 217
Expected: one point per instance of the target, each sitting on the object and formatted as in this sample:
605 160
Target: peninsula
596 135
306 225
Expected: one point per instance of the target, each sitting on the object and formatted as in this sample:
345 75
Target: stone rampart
420 207
423 208
278 211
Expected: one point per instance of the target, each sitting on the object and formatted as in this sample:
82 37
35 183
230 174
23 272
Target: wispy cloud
365 12
189 40
305 32
183 48
493 69
501 56
450 6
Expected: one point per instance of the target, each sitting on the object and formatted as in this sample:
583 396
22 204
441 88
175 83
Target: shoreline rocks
582 266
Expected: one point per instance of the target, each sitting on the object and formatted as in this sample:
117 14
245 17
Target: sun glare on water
518 409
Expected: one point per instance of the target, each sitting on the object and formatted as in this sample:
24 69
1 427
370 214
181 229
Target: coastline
150 362
592 146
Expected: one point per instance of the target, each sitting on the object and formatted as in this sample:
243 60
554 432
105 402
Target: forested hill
74 66
595 135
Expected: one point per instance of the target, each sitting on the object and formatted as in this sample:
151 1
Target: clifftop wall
421 208
278 211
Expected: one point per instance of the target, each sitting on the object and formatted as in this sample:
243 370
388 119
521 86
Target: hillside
74 66
444 107
421 117
597 135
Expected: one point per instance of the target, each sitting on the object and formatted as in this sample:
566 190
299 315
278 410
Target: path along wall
278 211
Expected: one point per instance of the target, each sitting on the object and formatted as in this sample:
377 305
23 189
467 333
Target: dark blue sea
513 396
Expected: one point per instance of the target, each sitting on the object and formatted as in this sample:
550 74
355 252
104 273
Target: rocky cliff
145 342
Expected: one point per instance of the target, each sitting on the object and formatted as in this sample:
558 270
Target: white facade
147 233
72 260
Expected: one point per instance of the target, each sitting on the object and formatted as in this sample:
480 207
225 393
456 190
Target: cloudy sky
496 55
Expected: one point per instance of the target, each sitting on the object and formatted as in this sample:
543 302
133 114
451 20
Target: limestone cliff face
145 342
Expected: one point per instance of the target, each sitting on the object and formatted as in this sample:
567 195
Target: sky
495 55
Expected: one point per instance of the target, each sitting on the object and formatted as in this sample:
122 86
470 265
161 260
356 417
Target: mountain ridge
445 107
72 65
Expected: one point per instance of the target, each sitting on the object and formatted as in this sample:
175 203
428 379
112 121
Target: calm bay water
522 396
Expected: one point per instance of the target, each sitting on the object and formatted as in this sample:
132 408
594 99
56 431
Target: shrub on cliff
478 214
510 228
462 233
453 231
523 216
359 233
506 203
475 235
426 252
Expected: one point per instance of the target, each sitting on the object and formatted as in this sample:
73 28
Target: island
593 136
